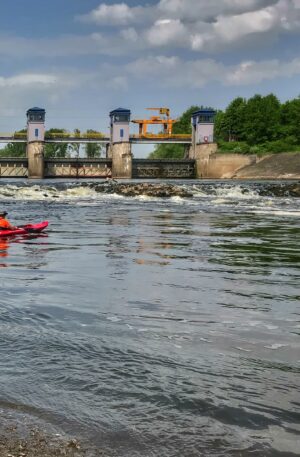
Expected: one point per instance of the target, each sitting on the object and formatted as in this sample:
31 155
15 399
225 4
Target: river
151 326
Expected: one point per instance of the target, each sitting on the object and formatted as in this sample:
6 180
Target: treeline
259 124
57 150
183 126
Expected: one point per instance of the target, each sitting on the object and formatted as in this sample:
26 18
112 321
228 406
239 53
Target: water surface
155 327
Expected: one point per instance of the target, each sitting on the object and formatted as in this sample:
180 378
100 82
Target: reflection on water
4 245
160 327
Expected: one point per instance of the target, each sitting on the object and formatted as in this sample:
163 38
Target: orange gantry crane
162 119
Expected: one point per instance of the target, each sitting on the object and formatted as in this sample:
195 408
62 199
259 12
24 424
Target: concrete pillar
201 153
187 151
35 155
108 151
121 160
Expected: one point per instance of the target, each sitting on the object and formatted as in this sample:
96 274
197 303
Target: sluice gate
163 169
100 168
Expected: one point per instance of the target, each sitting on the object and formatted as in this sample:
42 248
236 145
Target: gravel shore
15 442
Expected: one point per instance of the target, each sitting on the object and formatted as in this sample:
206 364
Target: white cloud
233 29
255 72
203 9
130 35
195 25
175 72
28 79
119 14
117 83
198 25
167 31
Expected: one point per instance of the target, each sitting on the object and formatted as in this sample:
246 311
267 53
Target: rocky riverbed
168 190
161 190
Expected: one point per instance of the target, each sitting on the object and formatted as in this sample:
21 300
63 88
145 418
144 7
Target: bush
256 150
235 147
279 146
270 147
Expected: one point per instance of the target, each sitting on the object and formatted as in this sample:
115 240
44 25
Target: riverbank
276 166
26 435
17 440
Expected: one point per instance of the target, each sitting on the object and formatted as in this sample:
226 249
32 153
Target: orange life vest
4 224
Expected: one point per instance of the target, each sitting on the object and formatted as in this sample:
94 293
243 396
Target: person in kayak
4 224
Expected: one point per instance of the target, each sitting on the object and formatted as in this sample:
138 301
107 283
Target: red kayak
25 229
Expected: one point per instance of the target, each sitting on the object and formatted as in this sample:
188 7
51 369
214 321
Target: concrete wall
224 165
35 156
204 131
31 128
116 132
121 160
210 164
201 153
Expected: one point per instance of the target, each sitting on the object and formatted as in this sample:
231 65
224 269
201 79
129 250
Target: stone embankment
276 166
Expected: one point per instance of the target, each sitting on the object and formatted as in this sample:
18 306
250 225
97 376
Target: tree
262 119
75 147
176 151
221 128
167 151
93 150
184 124
235 119
290 120
14 149
56 150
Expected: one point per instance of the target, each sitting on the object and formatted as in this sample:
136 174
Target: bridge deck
102 140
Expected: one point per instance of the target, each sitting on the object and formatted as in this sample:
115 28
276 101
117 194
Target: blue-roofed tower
203 122
119 125
36 124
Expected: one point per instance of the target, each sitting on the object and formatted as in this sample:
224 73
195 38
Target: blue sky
79 59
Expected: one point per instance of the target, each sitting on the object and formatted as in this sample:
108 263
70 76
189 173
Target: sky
80 59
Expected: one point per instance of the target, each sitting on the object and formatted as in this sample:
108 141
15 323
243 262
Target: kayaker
4 224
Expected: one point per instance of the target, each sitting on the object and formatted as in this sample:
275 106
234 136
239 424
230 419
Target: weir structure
119 161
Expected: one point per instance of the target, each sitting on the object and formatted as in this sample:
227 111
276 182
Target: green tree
262 119
14 149
290 120
176 151
93 150
75 147
167 151
235 119
221 128
56 150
